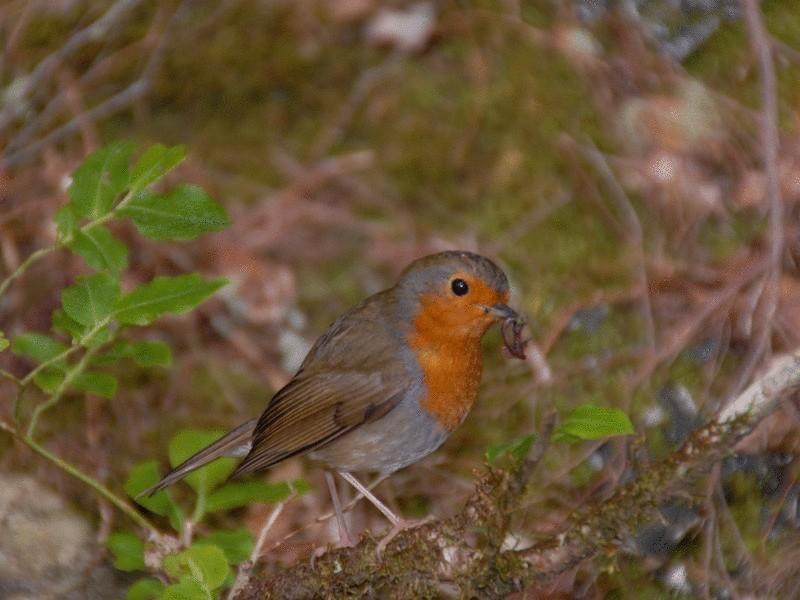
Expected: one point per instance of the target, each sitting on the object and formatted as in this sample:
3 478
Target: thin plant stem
121 504
200 506
40 253
59 392
48 363
11 376
69 377
246 568
65 354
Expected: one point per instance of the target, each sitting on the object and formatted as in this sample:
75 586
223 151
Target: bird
385 384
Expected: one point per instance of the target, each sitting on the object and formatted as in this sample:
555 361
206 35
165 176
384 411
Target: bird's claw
397 528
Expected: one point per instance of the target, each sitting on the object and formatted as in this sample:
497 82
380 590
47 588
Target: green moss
726 65
746 505
724 240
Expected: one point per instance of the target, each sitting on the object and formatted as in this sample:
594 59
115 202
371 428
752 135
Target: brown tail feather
234 443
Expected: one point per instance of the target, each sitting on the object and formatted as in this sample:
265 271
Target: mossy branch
464 554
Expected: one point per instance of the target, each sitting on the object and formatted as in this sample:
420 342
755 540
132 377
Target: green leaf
189 441
49 379
182 214
4 343
300 486
202 562
590 422
41 348
66 222
143 476
150 354
101 250
165 295
157 161
242 493
186 589
146 588
91 299
99 384
128 551
63 323
36 346
100 178
144 353
100 337
237 544
516 448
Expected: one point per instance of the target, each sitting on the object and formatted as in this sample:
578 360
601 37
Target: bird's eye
459 287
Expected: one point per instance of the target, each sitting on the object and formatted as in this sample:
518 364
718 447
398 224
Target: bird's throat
451 361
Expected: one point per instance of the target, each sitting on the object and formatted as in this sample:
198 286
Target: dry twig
770 148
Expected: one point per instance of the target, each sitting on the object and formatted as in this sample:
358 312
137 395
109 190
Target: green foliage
187 442
200 570
147 588
66 325
165 295
516 449
99 180
155 162
150 354
101 250
91 300
183 214
94 315
201 564
66 223
43 349
37 346
143 476
188 588
241 493
93 382
93 309
237 544
588 422
143 353
128 551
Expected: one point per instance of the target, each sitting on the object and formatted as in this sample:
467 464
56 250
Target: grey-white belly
401 437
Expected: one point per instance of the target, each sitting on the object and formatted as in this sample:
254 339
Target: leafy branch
94 311
89 335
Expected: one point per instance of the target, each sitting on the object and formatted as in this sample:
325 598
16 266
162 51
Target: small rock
45 548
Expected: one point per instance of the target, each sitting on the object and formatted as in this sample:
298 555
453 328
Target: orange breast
451 361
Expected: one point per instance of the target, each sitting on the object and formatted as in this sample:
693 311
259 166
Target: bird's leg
393 518
398 523
345 537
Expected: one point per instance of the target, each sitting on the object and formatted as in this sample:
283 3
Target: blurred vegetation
341 157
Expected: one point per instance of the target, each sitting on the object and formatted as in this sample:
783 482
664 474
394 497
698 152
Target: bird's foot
346 540
397 527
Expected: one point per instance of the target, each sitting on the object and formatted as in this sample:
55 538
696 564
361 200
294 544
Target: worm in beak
511 325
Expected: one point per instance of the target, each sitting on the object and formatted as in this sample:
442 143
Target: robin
386 384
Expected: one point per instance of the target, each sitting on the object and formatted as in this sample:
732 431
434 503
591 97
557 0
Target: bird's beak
511 324
503 312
